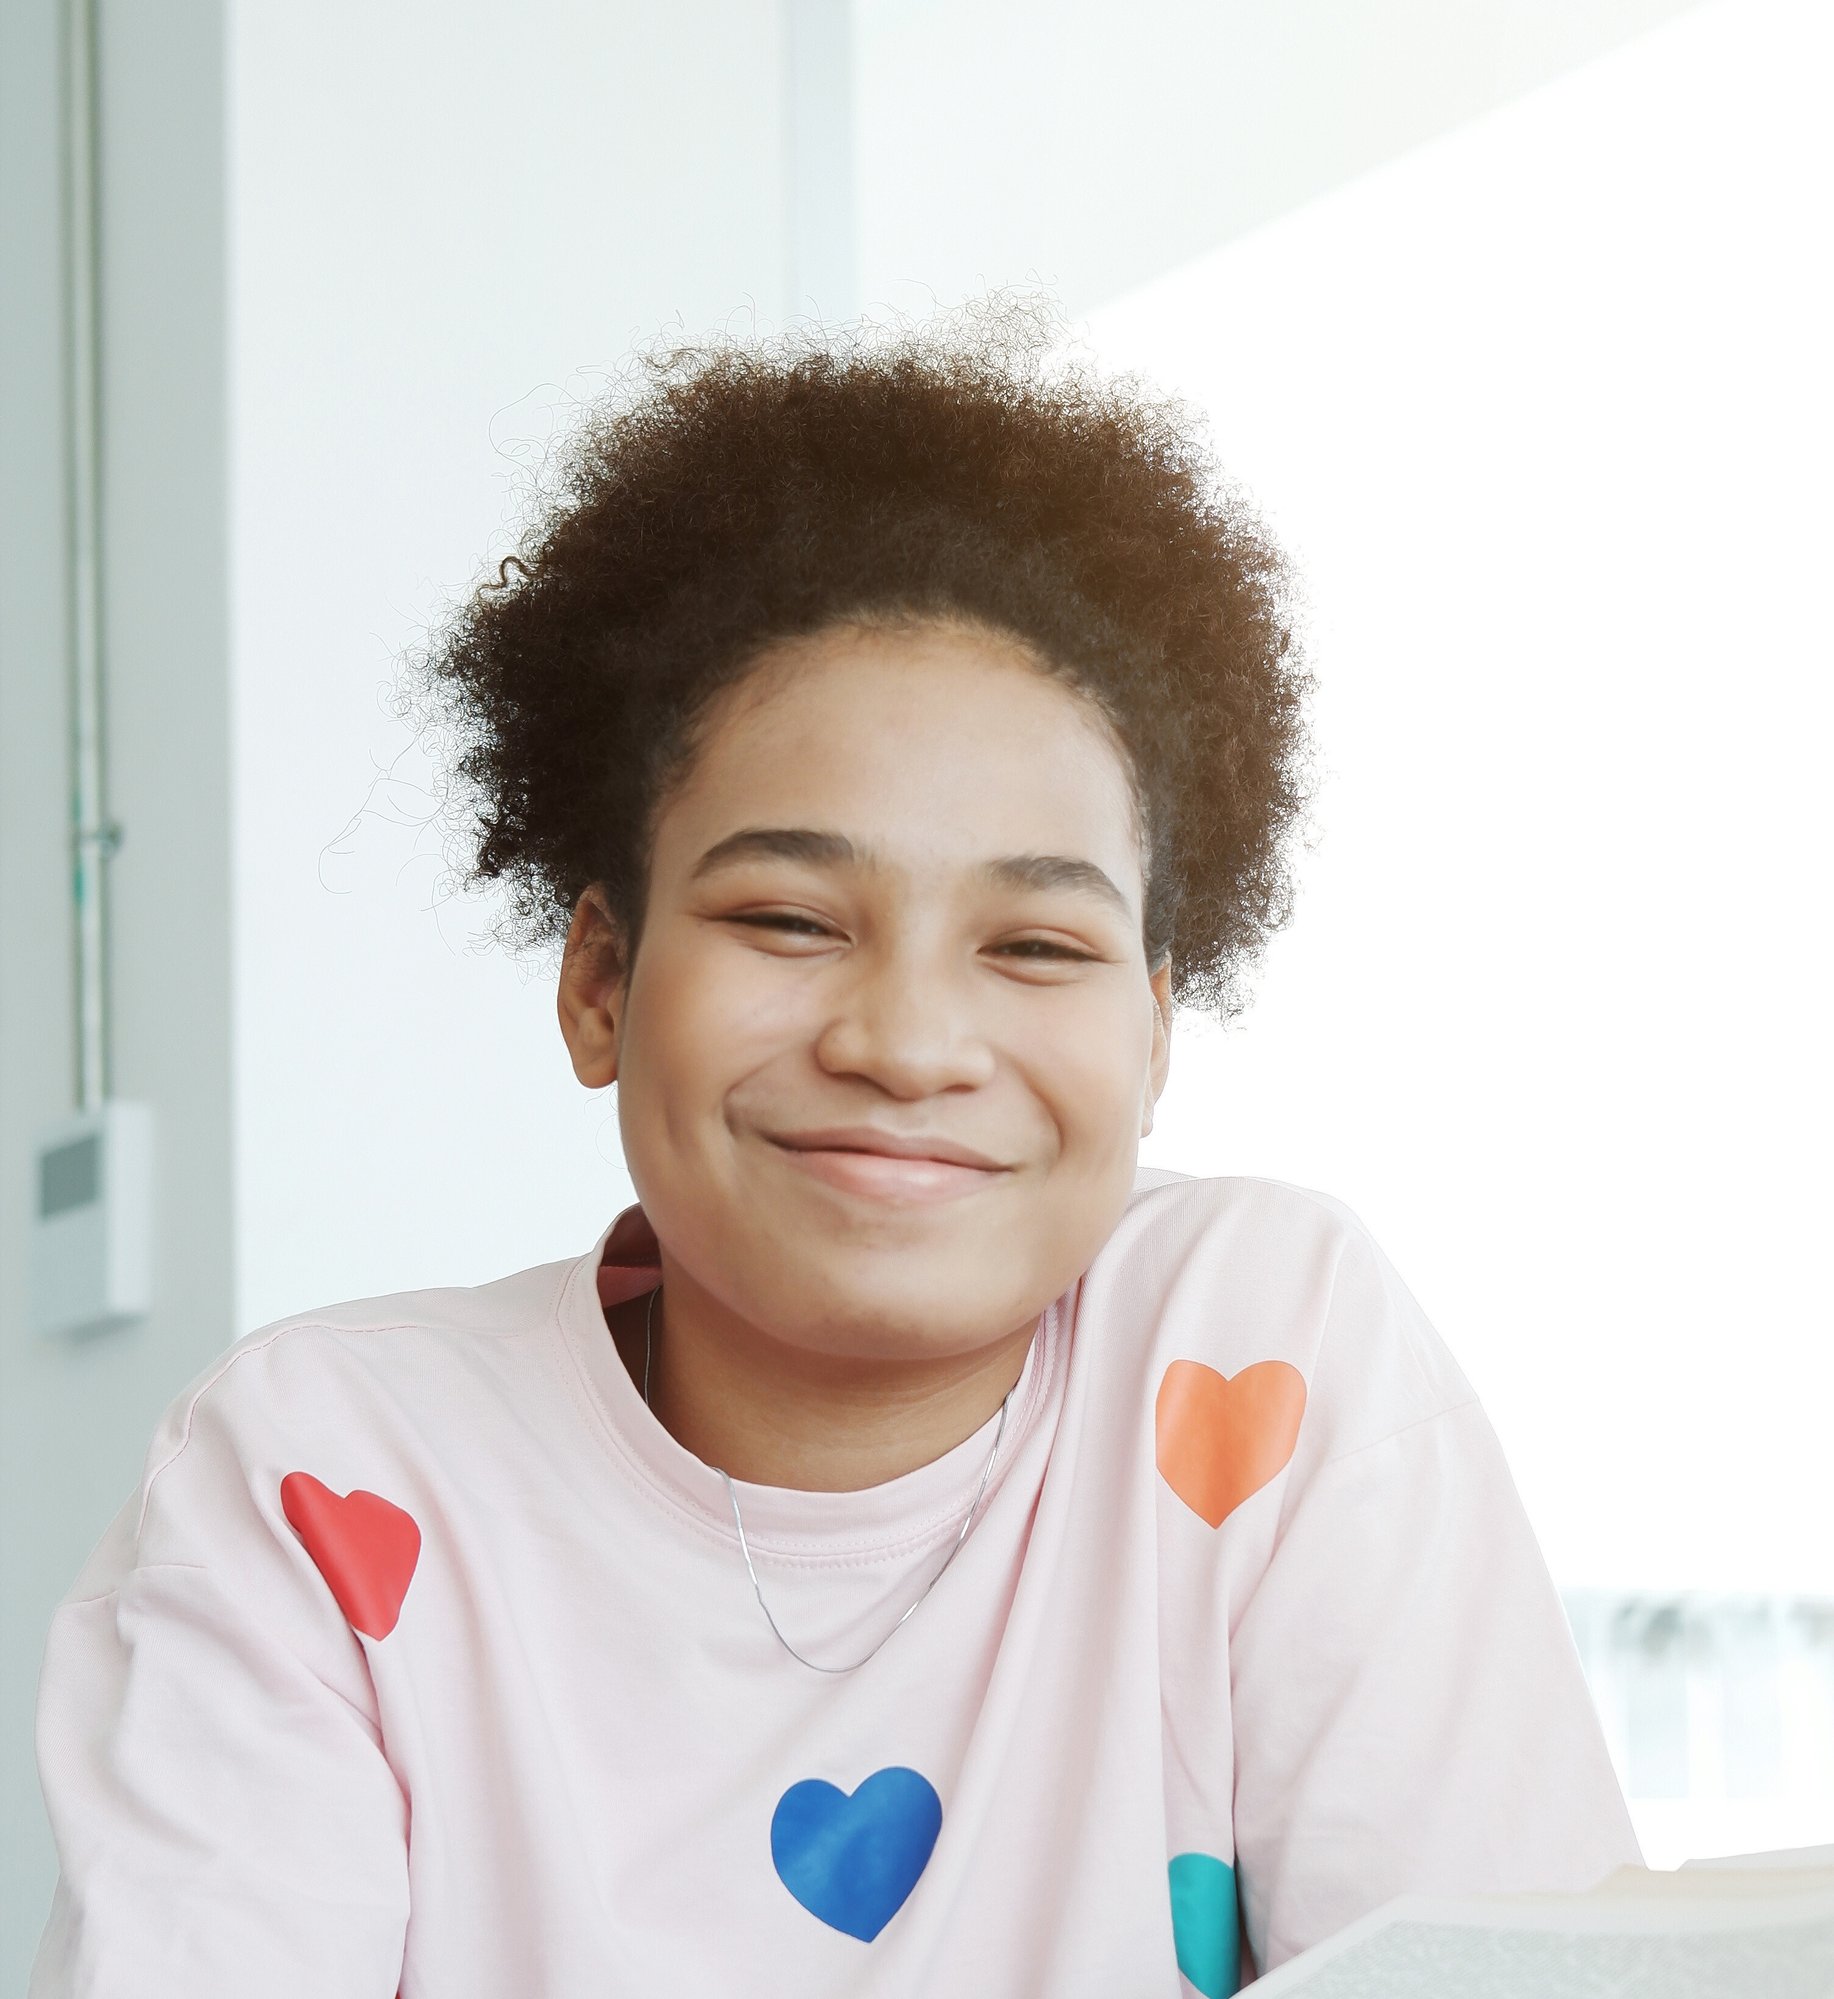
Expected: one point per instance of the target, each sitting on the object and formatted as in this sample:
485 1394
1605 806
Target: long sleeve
1410 1714
226 1820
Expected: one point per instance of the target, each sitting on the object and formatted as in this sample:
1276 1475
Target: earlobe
1149 1097
1161 983
1159 1065
589 1001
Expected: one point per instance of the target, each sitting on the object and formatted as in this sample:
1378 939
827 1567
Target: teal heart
1204 1923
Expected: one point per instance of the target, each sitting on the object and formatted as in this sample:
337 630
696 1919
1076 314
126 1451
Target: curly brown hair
731 496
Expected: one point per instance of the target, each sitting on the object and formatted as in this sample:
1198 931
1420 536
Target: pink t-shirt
424 1658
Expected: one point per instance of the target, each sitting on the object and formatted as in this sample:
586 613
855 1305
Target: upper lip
898 1145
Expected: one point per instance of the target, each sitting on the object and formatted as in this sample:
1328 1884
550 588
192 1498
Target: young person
913 1551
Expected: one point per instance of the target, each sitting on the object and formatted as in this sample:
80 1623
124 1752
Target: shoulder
370 1341
1240 1232
397 1367
1234 1271
1166 1205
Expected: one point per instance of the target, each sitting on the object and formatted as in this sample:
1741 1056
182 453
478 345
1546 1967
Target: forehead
932 746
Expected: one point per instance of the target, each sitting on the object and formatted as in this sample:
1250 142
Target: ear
593 981
1161 1061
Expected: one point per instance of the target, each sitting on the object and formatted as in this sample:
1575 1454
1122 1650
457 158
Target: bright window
1543 412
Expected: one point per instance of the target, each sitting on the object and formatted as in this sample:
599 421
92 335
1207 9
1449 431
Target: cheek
736 1012
1088 1066
707 1018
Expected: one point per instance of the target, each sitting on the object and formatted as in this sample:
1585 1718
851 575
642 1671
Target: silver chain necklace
649 1348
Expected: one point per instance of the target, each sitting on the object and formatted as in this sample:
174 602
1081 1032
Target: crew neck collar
899 1517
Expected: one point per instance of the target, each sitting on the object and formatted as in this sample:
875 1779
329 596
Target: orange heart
365 1546
1220 1437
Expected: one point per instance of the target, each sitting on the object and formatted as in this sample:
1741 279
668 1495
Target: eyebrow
835 850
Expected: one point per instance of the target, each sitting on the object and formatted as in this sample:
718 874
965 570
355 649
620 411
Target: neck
770 1414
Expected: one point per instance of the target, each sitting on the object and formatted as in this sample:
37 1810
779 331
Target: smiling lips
888 1166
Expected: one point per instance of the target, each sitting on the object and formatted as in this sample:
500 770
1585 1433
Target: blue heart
1204 1924
853 1861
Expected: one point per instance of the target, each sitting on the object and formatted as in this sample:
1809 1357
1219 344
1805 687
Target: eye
790 923
800 926
1042 947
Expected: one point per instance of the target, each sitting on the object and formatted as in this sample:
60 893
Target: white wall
1094 145
431 242
1544 411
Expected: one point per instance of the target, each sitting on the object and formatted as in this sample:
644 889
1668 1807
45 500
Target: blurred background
1513 315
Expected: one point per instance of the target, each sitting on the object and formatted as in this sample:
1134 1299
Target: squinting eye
803 925
1038 947
807 926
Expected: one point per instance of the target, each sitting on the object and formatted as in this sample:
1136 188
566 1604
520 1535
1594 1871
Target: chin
888 1312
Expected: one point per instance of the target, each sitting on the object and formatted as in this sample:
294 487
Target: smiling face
890 1041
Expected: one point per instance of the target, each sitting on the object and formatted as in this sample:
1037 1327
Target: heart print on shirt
1220 1438
853 1859
365 1547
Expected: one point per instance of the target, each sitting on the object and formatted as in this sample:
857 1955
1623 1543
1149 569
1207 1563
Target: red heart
1220 1438
365 1547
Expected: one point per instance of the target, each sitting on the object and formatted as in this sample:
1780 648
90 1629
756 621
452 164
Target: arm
1410 1713
225 1818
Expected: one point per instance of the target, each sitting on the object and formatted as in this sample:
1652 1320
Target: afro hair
725 497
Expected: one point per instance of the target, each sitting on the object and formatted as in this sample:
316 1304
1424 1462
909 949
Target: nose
907 1023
